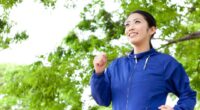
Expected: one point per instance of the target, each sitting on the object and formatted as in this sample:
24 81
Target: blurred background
47 47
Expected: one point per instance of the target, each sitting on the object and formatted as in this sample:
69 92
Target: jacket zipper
129 82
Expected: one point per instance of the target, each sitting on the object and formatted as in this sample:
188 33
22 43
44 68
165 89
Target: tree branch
167 40
195 35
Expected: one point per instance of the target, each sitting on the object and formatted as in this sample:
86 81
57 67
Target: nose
129 28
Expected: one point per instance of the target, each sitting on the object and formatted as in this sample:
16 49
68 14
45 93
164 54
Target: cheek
126 31
143 29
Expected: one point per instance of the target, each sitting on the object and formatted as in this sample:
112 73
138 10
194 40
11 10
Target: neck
141 48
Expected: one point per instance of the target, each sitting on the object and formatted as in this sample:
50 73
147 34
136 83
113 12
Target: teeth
132 34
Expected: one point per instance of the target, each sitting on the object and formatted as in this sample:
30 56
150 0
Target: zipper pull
135 57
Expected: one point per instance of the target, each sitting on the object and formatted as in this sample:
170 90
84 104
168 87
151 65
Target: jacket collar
143 54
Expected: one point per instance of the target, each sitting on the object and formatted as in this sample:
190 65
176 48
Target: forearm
100 88
186 101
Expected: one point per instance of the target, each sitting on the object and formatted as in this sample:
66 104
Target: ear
152 30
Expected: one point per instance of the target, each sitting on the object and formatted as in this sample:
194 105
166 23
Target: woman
143 79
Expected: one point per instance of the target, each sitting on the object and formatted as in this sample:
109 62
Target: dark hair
149 18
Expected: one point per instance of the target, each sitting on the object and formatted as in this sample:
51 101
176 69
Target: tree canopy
59 84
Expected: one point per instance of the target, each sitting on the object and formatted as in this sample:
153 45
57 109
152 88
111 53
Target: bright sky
46 28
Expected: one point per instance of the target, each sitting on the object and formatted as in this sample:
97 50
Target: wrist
100 72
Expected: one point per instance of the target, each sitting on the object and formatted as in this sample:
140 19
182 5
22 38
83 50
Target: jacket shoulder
166 58
118 61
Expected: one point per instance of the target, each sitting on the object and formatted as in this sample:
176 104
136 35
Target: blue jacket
142 82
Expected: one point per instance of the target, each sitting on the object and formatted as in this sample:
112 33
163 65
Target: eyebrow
127 21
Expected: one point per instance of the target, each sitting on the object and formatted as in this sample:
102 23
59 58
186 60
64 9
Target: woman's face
137 30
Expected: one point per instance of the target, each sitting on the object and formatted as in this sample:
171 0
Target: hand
99 63
165 107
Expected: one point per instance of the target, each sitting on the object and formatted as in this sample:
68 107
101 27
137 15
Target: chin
133 41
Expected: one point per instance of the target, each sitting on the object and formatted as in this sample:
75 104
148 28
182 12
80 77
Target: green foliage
86 25
5 28
39 87
6 41
9 3
20 36
49 3
190 58
60 83
2 25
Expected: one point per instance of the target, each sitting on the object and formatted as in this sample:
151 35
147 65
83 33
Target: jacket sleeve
100 88
178 83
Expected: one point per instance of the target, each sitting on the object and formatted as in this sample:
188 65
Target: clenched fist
165 107
99 63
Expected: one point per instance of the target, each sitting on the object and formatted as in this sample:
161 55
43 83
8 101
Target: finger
162 107
98 62
95 60
165 107
169 107
101 58
104 59
104 55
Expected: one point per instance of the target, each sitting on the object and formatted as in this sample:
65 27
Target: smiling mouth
132 34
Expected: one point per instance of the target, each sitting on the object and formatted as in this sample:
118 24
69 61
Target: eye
126 24
137 22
